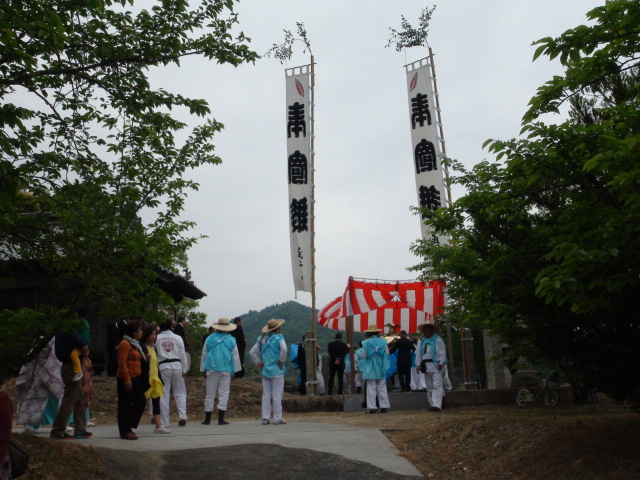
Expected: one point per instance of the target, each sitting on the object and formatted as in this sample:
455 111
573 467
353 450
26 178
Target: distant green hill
298 321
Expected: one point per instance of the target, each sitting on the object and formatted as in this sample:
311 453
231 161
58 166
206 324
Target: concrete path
359 444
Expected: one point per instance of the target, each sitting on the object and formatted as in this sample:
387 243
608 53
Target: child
83 331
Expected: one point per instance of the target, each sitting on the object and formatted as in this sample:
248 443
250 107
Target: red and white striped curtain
405 304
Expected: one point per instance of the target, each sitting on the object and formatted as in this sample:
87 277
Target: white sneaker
91 424
69 430
77 377
162 429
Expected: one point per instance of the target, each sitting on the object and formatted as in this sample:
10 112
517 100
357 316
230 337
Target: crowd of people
150 364
381 363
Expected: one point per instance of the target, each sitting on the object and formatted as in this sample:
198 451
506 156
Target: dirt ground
489 442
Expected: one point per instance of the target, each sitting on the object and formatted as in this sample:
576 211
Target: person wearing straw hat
374 369
431 358
219 361
269 354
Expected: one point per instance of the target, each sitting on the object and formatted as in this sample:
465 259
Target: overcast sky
365 183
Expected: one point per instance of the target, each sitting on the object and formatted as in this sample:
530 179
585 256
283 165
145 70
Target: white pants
272 390
320 385
435 390
173 380
347 381
417 380
219 382
377 388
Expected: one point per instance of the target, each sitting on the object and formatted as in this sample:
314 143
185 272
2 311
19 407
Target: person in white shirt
431 359
173 367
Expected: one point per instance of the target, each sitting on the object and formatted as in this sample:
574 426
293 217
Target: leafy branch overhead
408 36
284 51
95 162
547 235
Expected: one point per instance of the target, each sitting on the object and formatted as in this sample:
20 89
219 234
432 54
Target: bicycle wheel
521 398
551 398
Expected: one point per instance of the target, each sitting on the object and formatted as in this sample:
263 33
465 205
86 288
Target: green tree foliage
283 52
88 148
409 36
546 243
297 316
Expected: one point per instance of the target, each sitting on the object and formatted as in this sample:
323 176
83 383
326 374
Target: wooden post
350 341
466 337
310 346
312 362
467 347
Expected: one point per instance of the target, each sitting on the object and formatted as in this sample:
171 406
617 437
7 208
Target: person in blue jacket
269 354
220 360
374 369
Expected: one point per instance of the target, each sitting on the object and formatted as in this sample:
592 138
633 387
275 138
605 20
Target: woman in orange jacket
131 384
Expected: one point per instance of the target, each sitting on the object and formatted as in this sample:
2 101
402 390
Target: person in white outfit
220 360
431 358
172 366
269 354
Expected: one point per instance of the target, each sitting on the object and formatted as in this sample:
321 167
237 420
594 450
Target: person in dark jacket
241 343
404 346
302 365
113 340
122 325
181 331
205 336
337 351
6 424
73 399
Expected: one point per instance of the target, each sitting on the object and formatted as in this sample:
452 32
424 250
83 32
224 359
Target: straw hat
224 325
428 324
373 329
272 325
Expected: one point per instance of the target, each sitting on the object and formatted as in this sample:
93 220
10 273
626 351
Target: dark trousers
302 388
155 406
73 400
112 363
333 370
131 404
240 374
404 373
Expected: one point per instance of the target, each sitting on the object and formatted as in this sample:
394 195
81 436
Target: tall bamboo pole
351 340
443 148
314 360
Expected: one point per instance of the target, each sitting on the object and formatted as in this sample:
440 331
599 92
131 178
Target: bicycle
550 395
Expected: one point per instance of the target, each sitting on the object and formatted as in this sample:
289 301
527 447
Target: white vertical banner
299 174
426 149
